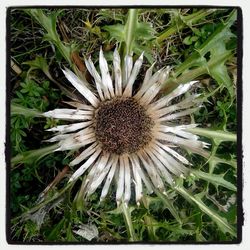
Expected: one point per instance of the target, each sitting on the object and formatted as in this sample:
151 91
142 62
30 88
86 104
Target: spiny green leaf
219 135
126 211
179 22
32 155
215 179
169 205
219 72
220 221
115 31
144 31
49 24
214 65
132 34
151 225
56 231
21 110
138 49
38 63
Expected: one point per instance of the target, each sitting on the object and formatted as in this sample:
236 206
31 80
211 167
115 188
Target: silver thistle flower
125 135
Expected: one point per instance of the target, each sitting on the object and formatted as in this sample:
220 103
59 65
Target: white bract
142 166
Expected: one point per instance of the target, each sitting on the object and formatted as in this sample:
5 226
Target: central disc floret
122 126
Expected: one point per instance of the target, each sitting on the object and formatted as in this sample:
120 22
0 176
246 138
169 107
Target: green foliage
30 99
220 221
134 34
204 60
49 25
180 21
201 43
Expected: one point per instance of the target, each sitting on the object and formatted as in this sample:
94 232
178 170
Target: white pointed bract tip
118 73
156 163
106 79
81 86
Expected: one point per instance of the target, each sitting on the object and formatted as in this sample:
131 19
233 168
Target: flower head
127 135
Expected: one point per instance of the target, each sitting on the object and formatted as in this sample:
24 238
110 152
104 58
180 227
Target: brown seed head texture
122 126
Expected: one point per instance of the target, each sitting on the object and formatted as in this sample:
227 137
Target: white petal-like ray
164 75
178 130
138 184
109 178
178 114
86 165
150 94
70 128
80 105
181 89
127 178
179 127
174 153
118 73
129 87
58 138
97 180
77 140
186 135
98 81
120 181
152 171
106 79
65 145
147 77
135 161
99 166
155 88
168 161
97 173
186 103
199 151
164 172
152 80
81 87
127 68
87 152
180 141
69 114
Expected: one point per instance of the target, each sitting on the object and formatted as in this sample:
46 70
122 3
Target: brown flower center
122 126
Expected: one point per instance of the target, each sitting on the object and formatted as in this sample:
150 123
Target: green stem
20 110
78 200
183 74
127 217
186 20
31 154
217 180
214 159
214 134
197 57
130 28
231 162
49 24
221 222
168 204
150 227
190 75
